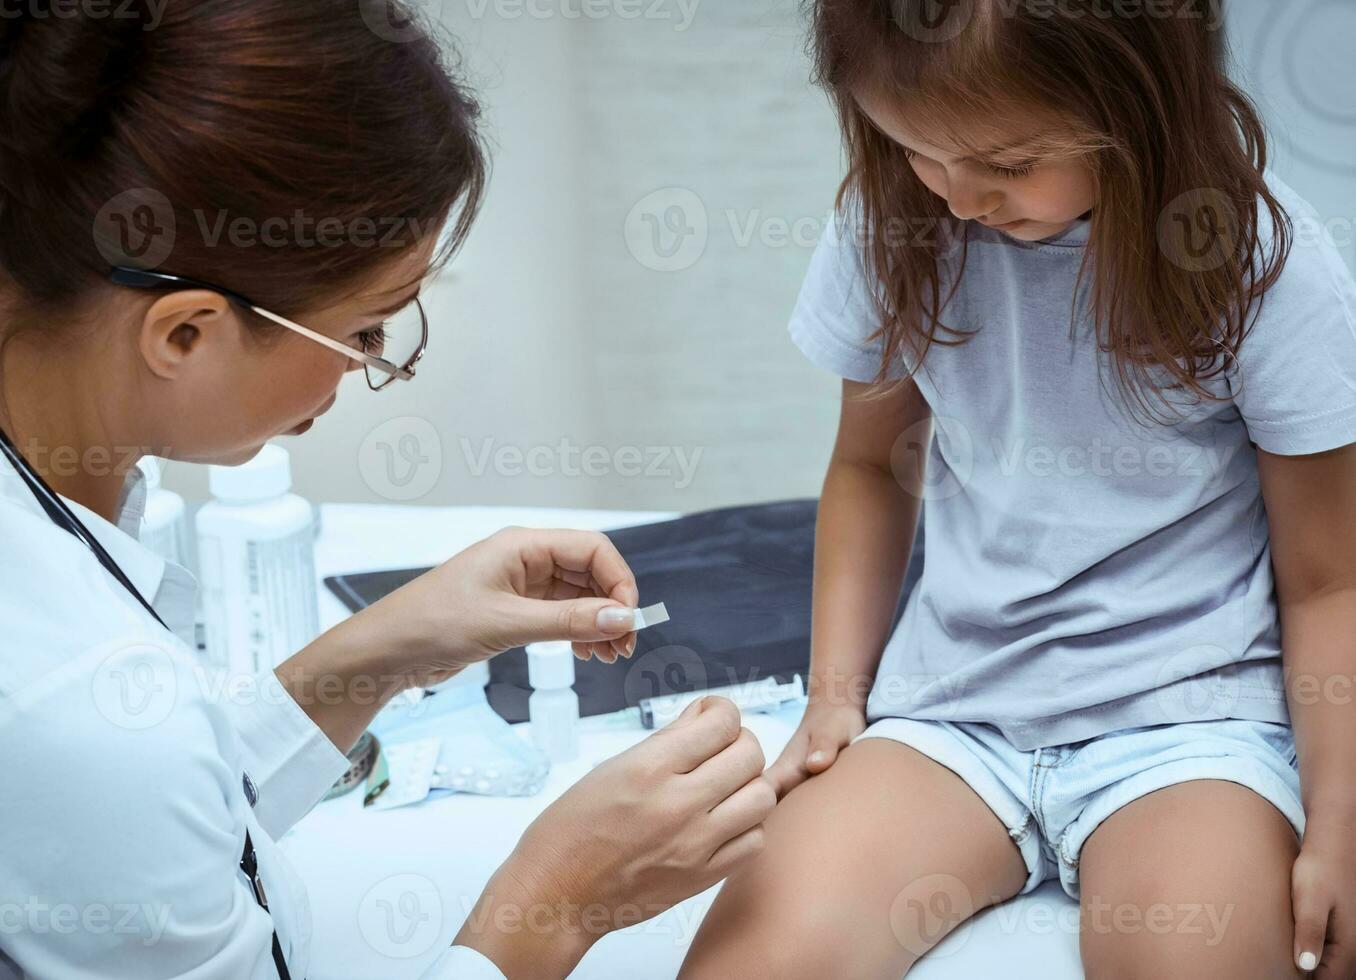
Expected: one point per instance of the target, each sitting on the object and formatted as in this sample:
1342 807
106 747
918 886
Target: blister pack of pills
478 752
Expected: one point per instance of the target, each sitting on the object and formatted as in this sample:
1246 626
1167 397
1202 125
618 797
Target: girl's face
1003 186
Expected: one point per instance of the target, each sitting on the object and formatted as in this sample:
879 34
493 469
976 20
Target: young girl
1081 322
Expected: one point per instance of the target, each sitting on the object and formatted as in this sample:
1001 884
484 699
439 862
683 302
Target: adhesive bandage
651 616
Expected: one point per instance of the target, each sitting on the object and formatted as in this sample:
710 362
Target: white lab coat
122 810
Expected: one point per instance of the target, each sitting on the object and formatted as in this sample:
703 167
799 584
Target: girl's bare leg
866 867
1190 881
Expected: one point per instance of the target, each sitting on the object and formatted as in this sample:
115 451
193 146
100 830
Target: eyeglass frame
124 275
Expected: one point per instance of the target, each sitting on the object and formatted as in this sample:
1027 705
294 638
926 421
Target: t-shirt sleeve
835 315
1295 382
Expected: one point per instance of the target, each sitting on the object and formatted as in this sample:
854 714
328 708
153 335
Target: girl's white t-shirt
1084 573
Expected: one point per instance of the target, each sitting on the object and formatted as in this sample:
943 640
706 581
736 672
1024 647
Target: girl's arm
1311 508
868 513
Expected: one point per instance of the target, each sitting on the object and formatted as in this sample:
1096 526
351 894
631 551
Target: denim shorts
1051 799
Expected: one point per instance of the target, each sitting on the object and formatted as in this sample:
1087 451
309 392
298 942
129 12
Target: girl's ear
182 325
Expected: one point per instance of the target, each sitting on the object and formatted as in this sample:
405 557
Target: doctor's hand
644 830
824 730
517 586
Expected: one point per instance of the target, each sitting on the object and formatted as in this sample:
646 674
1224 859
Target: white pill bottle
553 706
256 564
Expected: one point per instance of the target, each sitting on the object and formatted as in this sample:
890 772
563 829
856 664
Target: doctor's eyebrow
397 305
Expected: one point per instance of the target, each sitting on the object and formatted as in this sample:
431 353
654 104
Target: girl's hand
825 729
1323 895
517 586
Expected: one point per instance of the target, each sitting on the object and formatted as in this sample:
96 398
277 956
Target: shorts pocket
1281 738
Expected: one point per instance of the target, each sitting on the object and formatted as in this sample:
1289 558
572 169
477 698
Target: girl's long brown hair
1177 261
334 132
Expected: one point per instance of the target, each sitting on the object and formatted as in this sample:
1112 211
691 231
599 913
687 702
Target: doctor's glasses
389 351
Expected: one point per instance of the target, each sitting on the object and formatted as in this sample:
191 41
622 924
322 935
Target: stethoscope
62 517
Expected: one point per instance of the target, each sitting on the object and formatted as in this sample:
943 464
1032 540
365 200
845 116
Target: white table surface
389 889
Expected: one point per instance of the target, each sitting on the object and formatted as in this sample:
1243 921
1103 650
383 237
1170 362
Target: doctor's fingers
719 777
735 852
569 584
572 555
745 809
705 728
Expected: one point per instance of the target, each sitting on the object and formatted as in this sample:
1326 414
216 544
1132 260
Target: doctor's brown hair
1177 260
284 149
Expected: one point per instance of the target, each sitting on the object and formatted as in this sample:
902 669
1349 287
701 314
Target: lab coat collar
166 586
142 566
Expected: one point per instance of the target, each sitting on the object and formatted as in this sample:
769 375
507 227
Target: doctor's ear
182 323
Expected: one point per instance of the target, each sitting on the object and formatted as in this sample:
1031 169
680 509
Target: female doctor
210 210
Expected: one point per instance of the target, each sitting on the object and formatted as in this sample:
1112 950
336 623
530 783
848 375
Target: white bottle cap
150 469
269 474
550 665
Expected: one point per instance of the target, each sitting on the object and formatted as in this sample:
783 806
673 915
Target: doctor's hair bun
284 149
60 71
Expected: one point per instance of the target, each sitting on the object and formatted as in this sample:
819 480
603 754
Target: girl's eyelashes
1009 173
1012 172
